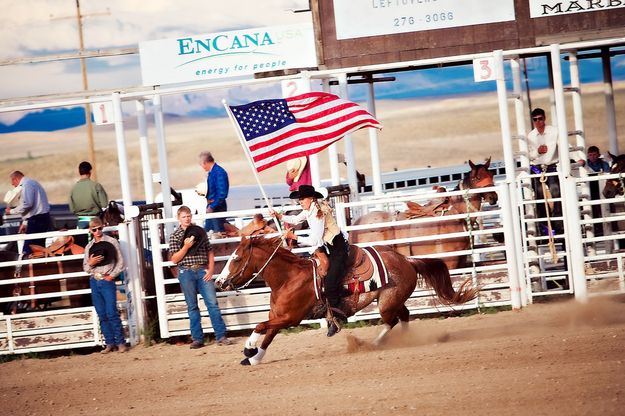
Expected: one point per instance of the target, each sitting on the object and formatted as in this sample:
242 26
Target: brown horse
478 177
614 187
60 247
293 298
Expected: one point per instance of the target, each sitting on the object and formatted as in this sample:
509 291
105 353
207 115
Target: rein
259 272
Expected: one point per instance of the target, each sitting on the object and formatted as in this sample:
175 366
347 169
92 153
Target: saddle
433 208
59 247
365 271
359 266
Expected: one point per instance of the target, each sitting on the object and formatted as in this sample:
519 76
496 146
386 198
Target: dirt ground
560 358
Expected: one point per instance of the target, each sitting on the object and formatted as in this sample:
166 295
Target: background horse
60 247
478 177
614 187
293 298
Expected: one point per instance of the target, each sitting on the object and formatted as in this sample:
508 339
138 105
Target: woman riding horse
294 290
325 238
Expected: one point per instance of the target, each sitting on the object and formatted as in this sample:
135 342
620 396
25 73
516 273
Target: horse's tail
434 273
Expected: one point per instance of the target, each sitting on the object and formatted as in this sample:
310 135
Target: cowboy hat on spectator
199 235
12 197
296 166
104 249
201 188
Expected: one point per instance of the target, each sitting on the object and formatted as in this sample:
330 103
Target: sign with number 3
484 69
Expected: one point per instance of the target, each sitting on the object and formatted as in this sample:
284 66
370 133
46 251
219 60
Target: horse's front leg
270 328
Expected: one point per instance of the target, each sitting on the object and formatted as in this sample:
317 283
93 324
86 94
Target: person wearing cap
103 261
190 249
217 185
88 198
33 207
298 173
324 235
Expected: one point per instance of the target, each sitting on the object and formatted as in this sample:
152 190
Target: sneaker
107 349
196 344
223 341
122 348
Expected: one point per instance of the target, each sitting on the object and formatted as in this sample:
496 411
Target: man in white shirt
542 143
33 208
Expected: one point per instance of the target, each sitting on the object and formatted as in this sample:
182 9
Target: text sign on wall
227 54
360 18
542 8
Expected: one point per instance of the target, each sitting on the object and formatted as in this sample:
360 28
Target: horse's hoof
250 352
246 362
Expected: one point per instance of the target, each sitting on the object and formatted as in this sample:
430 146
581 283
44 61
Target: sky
48 27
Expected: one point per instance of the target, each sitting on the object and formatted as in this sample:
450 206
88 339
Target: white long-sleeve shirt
548 138
317 226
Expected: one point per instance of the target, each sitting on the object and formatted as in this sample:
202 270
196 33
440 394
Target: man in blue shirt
33 208
595 162
217 191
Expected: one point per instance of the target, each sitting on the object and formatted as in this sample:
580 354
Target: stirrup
335 323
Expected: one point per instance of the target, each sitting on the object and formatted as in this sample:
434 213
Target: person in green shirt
88 198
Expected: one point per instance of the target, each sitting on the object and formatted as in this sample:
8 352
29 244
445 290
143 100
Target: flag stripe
324 121
330 131
278 130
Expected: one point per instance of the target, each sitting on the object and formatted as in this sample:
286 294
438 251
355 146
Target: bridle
247 262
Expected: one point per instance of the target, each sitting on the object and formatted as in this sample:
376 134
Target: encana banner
227 54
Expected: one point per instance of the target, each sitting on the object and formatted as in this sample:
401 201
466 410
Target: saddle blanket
378 279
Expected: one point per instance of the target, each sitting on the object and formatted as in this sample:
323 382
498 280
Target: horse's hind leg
404 317
390 319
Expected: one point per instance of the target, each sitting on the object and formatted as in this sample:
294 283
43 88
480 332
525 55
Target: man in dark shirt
195 273
217 191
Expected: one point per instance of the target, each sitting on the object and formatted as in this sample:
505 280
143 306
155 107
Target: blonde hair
95 222
183 209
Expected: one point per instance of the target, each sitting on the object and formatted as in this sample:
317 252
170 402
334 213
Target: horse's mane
618 164
283 253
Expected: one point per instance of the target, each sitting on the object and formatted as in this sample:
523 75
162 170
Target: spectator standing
193 254
103 261
217 191
33 208
88 198
542 143
298 173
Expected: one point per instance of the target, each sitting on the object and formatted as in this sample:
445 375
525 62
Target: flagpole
249 158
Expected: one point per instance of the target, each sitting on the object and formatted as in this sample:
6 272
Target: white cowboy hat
12 197
201 188
296 164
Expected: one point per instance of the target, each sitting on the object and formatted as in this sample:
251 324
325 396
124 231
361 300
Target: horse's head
247 262
481 177
614 187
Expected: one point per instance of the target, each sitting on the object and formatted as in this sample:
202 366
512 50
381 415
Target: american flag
282 129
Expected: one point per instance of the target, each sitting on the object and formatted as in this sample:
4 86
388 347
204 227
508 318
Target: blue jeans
104 298
192 282
216 224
